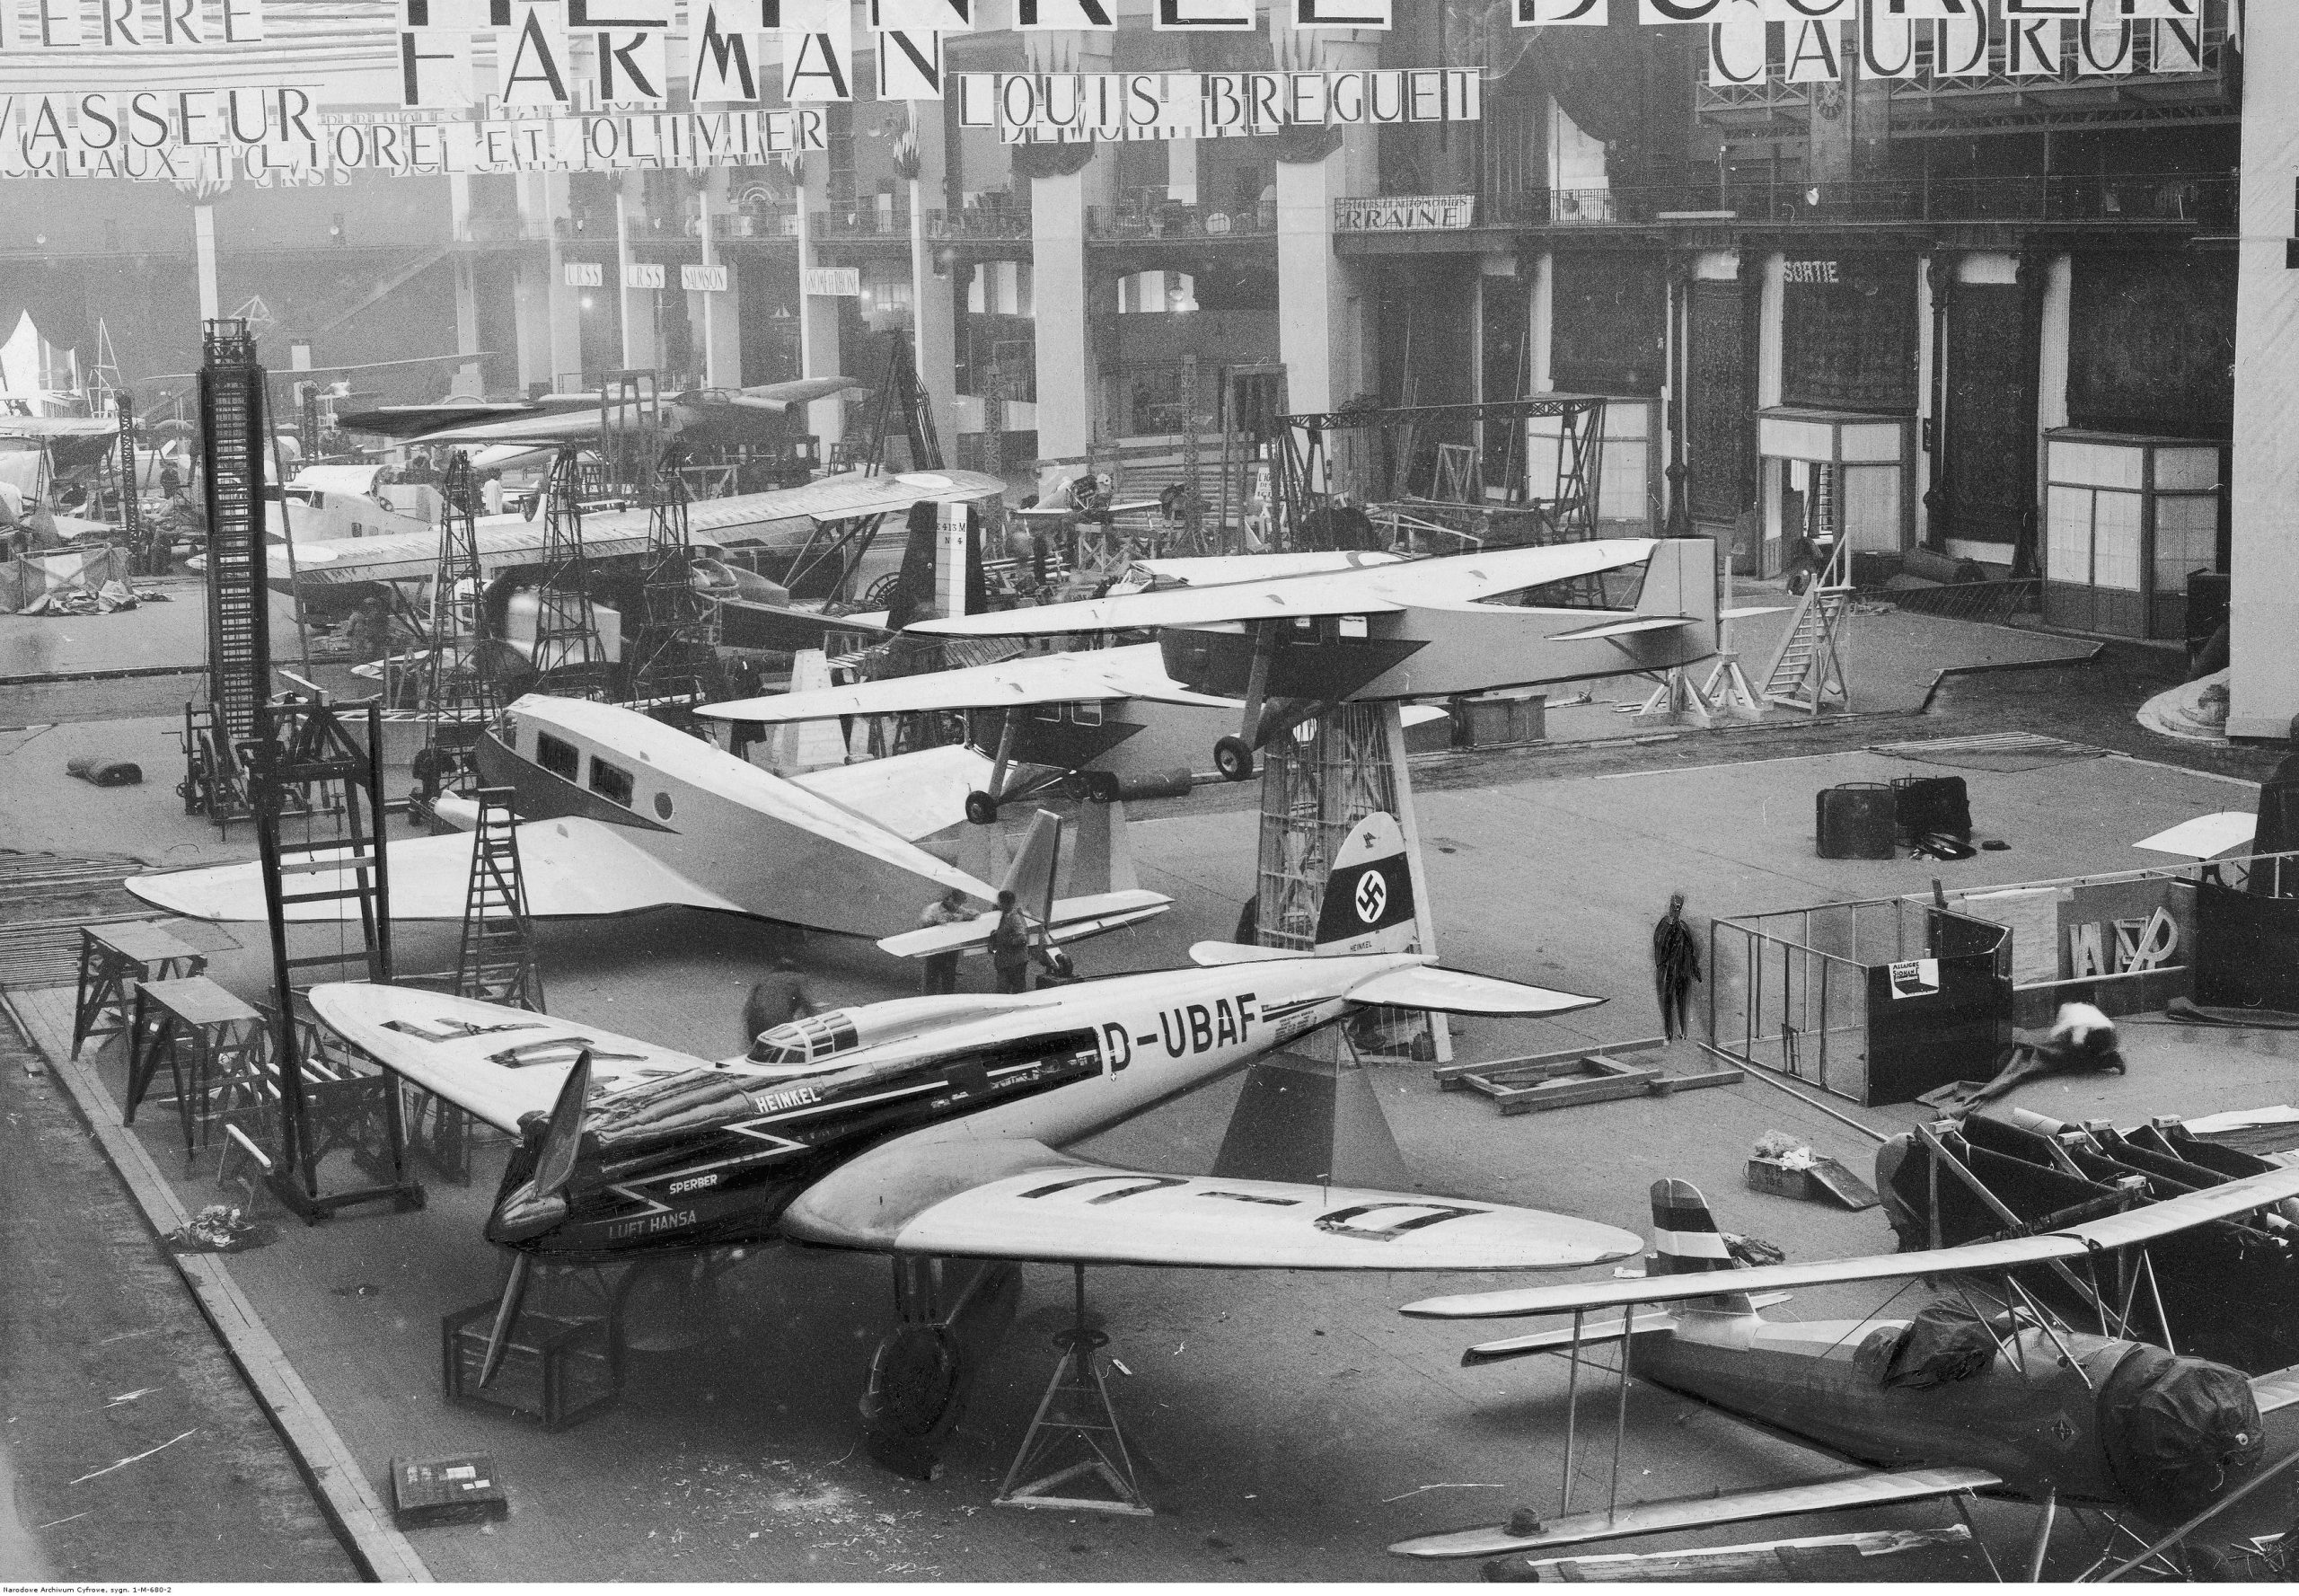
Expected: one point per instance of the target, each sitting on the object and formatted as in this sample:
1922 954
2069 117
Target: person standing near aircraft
940 970
780 997
1676 965
1009 945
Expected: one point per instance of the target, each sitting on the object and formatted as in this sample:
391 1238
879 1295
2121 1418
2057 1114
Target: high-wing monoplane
1984 1390
1289 645
935 1128
619 813
568 418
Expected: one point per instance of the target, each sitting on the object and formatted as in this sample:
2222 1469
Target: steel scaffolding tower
1316 784
674 651
239 637
902 402
569 655
458 697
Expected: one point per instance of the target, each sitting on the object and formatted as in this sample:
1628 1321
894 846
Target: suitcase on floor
1854 821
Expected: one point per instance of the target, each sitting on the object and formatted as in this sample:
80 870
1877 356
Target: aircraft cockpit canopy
815 1039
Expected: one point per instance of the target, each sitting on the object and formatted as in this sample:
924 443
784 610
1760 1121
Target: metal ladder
458 696
494 959
1808 671
902 398
239 640
674 652
567 629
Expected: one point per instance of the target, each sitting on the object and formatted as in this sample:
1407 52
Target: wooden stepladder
1807 673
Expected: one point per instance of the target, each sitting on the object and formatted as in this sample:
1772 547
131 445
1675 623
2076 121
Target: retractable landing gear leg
1075 1416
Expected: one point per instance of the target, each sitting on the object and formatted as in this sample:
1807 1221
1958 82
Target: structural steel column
818 352
933 317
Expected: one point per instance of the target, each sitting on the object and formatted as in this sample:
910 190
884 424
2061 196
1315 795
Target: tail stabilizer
1459 992
1368 906
1210 953
1030 877
1686 1240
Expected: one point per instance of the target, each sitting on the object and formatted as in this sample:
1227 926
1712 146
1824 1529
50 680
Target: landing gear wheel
1233 758
880 594
982 809
916 1393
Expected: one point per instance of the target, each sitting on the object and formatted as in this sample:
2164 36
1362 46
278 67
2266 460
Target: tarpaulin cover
1945 1342
2178 1432
24 583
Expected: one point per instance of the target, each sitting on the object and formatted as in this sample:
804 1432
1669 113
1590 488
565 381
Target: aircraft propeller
537 1206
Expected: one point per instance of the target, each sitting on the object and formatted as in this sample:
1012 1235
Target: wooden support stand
1543 1081
195 1023
113 960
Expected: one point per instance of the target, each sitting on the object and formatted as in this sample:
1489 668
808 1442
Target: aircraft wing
417 421
59 426
571 868
2129 1229
1022 1201
1458 991
776 397
1653 1517
1096 676
1218 570
2276 1391
1073 918
499 1063
1455 579
1621 629
911 795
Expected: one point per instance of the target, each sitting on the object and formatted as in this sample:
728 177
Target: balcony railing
779 221
1174 220
977 223
2192 200
872 223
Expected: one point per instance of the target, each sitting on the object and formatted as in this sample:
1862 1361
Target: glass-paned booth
1628 491
2127 519
1830 474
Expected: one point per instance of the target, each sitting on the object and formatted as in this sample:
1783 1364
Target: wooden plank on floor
343 1483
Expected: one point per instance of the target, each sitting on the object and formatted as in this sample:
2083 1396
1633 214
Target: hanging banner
1335 13
643 274
1046 16
703 279
722 60
840 282
1651 12
137 138
910 66
1563 14
818 39
1815 53
921 16
1887 42
584 274
1202 16
1736 46
1026 106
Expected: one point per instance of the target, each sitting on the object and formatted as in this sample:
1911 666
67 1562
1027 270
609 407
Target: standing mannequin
1676 965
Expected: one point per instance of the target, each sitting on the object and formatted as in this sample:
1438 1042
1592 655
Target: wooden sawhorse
113 958
193 1016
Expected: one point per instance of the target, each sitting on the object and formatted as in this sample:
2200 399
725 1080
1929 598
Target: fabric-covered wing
1455 579
1021 1200
1653 1517
2149 1224
496 1062
1073 918
1621 628
572 868
1099 675
1215 571
911 795
1458 991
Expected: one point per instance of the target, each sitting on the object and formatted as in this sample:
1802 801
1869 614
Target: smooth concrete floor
1293 1424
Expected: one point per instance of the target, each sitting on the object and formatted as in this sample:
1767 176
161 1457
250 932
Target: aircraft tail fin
1684 1232
1369 905
1030 878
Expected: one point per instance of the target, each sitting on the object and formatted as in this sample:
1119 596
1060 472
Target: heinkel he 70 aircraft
936 1127
1982 1391
1290 645
620 813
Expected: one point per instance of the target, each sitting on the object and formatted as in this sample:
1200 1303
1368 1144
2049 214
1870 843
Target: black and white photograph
1149 792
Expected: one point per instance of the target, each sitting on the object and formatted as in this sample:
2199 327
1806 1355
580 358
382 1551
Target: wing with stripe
1099 675
1457 579
1698 1513
1022 1201
2130 1228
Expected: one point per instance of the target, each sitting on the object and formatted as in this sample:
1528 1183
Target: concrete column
1320 303
1541 308
1927 420
934 332
1181 171
818 352
459 205
2264 564
203 234
636 306
1772 308
468 378
562 306
720 315
2051 374
1067 379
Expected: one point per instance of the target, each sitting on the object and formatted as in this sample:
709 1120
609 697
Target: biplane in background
1290 646
1975 1393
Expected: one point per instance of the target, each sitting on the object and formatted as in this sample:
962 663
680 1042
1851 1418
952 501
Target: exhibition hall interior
1149 791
